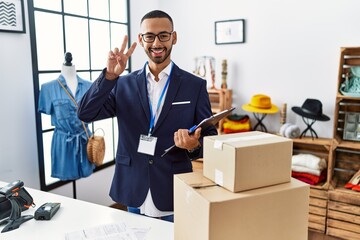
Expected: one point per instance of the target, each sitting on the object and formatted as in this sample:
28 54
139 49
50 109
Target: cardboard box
248 160
206 211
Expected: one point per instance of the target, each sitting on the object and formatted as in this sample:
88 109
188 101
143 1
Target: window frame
36 83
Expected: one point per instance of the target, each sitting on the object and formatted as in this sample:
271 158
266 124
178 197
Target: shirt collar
165 72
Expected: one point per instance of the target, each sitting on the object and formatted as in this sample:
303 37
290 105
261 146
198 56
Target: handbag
95 146
95 149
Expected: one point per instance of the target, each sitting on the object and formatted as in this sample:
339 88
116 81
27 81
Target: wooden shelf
315 141
220 99
321 147
343 204
342 97
347 144
333 209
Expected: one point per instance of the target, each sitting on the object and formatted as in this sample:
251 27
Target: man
155 106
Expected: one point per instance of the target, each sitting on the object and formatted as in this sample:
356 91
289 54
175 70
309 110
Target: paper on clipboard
207 122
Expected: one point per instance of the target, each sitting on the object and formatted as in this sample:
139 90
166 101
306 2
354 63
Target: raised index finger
131 49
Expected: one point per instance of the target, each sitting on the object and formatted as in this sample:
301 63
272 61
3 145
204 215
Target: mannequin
69 72
68 146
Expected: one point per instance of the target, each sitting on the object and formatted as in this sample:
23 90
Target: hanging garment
68 146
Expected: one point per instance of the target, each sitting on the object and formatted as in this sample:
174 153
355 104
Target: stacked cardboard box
250 160
231 200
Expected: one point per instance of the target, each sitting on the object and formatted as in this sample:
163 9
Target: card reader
46 211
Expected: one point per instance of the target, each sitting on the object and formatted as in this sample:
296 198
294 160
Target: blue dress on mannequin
68 147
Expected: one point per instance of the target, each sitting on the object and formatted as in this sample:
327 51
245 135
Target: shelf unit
333 209
343 215
321 147
220 99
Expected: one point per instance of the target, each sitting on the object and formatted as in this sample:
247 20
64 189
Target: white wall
18 149
138 10
291 53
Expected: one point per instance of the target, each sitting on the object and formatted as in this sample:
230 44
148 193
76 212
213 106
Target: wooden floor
319 236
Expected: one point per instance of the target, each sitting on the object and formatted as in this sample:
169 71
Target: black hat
311 108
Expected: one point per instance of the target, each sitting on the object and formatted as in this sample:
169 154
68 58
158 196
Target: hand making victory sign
117 60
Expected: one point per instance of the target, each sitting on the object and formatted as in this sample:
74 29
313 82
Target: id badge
147 144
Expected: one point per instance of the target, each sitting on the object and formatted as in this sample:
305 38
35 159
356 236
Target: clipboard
204 124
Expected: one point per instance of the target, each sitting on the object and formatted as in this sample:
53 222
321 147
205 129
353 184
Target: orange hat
260 103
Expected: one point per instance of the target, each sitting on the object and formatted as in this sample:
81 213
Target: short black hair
157 14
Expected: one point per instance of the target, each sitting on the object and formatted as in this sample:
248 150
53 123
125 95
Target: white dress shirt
154 90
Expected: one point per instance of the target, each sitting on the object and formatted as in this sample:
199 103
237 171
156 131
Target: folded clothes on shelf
308 168
302 169
309 178
309 161
236 123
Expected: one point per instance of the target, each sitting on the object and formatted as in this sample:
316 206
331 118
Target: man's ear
140 40
174 38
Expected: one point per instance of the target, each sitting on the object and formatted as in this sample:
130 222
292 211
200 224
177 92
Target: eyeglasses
150 37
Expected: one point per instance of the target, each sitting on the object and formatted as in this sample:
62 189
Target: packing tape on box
188 197
218 144
219 177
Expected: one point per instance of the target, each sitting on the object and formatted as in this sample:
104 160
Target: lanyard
153 115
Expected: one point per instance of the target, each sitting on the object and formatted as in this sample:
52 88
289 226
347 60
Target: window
88 29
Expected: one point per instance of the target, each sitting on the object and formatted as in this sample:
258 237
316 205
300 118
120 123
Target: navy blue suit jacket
127 99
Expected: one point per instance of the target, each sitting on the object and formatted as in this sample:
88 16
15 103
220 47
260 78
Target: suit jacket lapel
175 81
143 94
